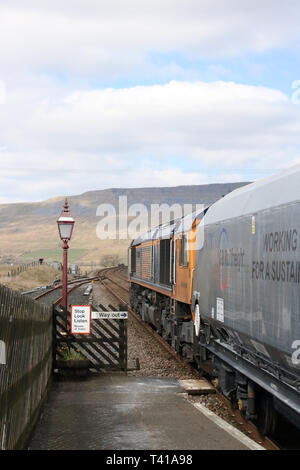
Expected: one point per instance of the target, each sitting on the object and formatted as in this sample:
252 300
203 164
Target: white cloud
144 136
200 120
117 36
57 136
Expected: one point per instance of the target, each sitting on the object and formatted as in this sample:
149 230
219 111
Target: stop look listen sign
81 319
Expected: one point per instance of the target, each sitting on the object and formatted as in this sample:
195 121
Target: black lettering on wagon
232 257
279 271
285 240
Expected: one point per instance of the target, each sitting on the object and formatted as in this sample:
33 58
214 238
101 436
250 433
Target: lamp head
65 223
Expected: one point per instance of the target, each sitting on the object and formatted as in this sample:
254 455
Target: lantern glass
65 228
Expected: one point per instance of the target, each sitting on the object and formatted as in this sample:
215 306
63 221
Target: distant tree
110 260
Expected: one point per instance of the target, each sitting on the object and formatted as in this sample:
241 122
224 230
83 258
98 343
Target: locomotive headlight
197 319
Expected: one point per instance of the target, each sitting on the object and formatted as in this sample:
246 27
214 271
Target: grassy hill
29 231
37 276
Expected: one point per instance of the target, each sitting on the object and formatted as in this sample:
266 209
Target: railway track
113 281
72 285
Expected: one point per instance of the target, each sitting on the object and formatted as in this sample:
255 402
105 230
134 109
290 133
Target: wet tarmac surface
118 412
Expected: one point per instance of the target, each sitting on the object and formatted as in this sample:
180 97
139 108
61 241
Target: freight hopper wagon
224 291
247 290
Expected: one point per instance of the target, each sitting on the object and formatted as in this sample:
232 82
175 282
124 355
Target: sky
135 93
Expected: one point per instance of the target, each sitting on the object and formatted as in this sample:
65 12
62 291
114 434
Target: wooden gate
105 347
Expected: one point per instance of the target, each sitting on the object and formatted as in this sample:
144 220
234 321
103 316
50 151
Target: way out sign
81 319
109 315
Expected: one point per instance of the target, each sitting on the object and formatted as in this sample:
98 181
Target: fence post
123 344
54 342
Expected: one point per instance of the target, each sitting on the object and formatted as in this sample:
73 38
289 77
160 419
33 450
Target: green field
74 254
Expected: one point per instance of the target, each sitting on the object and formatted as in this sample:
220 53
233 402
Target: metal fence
25 365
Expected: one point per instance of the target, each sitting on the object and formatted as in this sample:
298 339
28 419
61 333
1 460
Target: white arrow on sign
109 315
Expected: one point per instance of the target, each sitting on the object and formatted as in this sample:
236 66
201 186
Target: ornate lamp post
65 227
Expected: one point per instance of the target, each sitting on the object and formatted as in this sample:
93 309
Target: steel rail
59 286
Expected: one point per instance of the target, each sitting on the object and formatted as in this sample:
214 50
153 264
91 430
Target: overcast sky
132 93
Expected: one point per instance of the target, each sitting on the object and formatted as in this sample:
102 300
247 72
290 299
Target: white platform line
228 428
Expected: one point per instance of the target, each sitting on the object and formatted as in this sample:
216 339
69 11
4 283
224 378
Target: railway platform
113 411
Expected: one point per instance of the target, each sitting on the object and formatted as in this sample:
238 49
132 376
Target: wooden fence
25 365
18 269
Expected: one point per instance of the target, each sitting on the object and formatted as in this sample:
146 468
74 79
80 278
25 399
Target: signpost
81 316
81 319
101 337
109 315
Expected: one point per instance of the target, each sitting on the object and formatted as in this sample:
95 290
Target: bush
110 260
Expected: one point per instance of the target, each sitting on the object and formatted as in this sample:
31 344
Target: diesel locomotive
223 288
